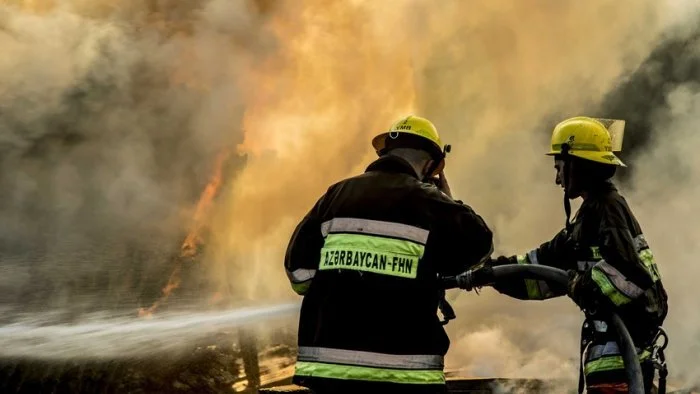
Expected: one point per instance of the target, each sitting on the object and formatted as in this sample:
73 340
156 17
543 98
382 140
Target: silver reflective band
301 275
370 359
544 289
600 326
640 243
598 351
375 227
585 265
608 349
532 256
621 283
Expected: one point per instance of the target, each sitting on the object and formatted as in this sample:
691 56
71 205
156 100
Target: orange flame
193 240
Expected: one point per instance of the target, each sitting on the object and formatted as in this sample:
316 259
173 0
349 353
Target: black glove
584 292
500 260
482 276
573 288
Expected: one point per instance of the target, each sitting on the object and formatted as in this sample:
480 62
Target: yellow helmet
414 125
587 139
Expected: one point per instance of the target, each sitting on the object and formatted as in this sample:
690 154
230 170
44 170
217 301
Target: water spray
123 337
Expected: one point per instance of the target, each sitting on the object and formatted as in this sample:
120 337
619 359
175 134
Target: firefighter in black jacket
366 258
604 248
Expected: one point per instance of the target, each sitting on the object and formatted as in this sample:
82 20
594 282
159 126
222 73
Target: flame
37 6
332 83
194 237
193 240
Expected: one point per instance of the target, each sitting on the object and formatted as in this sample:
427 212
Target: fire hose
633 368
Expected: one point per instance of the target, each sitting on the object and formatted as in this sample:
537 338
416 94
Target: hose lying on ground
629 355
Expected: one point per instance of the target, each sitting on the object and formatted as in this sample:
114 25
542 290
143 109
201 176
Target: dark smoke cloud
110 122
660 102
642 96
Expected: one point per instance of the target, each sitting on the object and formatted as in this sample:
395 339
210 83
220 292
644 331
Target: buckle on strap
657 352
658 358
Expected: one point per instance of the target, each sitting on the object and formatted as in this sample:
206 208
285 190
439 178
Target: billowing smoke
110 121
662 99
110 130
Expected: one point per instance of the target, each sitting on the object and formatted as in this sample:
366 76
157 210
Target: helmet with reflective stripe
587 138
418 127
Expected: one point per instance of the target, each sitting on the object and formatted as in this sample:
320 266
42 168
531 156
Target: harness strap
448 313
585 342
659 359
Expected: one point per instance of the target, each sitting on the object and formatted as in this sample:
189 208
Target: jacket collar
392 164
601 188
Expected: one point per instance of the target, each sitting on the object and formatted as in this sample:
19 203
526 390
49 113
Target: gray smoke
110 121
660 102
657 96
109 130
642 97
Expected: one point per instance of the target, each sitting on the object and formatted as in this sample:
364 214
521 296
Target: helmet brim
379 142
598 157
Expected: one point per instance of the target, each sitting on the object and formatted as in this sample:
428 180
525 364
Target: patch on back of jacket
378 247
384 263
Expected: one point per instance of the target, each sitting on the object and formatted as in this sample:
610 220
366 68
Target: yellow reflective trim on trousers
533 289
610 363
352 372
647 258
379 255
607 287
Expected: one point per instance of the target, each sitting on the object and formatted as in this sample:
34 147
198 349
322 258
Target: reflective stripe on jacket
369 366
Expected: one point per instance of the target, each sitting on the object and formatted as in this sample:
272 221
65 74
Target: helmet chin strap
566 159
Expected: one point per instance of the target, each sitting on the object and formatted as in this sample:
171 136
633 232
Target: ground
214 368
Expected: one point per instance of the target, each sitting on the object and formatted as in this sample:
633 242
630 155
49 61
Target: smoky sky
111 119
109 129
641 96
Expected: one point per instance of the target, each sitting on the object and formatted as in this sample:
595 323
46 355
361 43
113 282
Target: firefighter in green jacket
604 248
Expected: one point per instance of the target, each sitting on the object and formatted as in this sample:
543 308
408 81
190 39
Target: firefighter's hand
574 289
482 276
443 185
500 260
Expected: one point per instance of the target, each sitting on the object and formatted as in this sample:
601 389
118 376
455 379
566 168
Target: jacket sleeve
469 241
304 251
620 276
553 254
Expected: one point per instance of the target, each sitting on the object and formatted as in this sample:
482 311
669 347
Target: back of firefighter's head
583 156
416 140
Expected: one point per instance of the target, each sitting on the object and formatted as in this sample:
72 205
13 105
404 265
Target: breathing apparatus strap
566 158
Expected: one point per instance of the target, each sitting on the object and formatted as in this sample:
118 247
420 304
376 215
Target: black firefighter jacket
607 248
366 258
